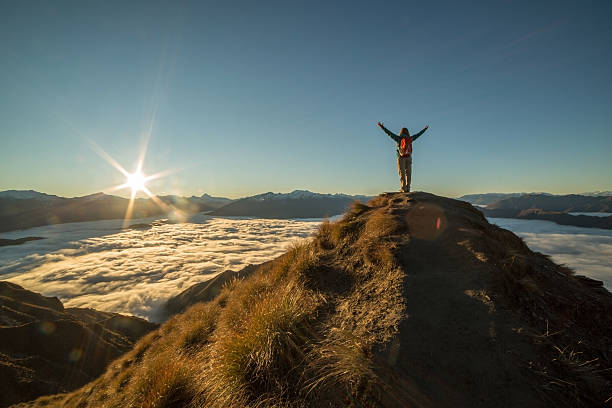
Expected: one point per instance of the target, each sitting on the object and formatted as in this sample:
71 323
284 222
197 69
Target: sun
136 181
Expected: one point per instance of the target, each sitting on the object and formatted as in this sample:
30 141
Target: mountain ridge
410 299
27 194
27 212
561 203
296 204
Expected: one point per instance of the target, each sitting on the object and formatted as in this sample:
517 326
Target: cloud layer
588 251
135 271
98 265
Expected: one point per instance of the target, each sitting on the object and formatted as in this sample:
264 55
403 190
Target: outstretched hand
426 127
380 125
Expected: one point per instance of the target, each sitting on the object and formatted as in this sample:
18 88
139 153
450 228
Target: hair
404 131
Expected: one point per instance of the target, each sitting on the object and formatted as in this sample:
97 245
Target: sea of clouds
99 265
588 251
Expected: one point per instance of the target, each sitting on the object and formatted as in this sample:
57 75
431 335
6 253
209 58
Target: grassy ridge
411 300
294 332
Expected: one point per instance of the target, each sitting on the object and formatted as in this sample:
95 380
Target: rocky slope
46 348
411 300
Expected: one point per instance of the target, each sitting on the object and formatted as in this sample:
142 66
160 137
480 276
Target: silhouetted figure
404 154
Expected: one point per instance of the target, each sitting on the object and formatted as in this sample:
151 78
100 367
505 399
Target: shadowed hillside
45 348
411 300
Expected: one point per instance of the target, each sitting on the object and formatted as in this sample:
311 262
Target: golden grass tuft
357 208
343 360
262 335
197 325
327 236
165 380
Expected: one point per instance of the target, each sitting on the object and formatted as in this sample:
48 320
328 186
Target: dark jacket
398 139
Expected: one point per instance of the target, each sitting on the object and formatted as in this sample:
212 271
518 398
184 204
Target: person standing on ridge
404 154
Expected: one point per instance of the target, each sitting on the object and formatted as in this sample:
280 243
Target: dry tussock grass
305 329
274 338
342 360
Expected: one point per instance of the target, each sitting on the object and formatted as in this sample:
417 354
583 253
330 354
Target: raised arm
414 137
388 132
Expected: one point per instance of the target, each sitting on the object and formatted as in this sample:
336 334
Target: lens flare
136 181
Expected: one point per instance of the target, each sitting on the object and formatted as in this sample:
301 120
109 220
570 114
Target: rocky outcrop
46 348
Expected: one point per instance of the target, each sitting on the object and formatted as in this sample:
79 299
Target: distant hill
46 348
548 207
297 204
552 202
412 300
562 203
190 205
215 202
205 201
32 212
27 209
488 198
27 194
597 193
557 217
23 210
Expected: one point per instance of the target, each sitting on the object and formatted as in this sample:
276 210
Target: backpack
405 147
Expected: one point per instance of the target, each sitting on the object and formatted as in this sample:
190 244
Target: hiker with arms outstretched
404 153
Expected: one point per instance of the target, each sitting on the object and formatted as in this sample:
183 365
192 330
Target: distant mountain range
542 206
489 198
597 193
296 204
203 203
562 203
27 209
21 209
211 201
27 195
558 217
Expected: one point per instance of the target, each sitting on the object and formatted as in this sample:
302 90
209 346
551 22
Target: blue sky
274 96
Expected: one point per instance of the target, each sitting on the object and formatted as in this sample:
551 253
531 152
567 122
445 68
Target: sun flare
136 181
